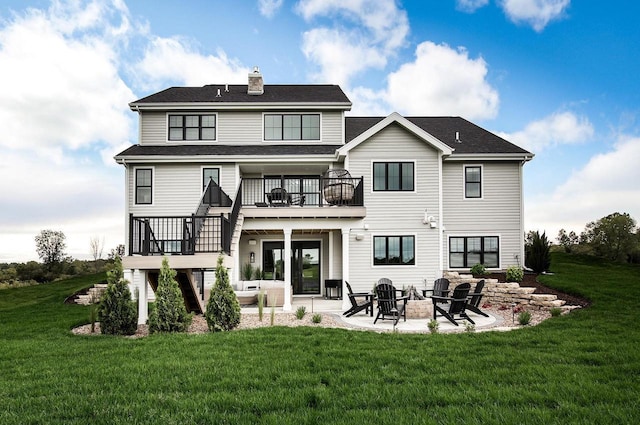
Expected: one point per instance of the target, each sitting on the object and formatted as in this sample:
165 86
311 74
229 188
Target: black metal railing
315 191
233 218
177 235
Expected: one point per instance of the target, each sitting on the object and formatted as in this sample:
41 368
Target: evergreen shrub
223 309
170 313
117 313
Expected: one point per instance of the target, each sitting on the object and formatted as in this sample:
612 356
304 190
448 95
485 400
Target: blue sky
558 77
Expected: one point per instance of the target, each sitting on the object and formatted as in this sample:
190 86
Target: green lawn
582 368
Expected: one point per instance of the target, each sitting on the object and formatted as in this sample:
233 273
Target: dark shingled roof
473 139
289 93
246 150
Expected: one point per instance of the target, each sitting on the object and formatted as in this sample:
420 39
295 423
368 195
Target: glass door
305 267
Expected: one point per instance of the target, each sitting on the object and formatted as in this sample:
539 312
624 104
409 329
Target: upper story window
393 176
473 181
210 174
292 127
394 250
192 127
144 185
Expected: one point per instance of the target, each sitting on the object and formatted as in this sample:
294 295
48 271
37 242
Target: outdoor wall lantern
252 257
429 220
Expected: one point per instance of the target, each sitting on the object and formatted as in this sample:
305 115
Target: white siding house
259 179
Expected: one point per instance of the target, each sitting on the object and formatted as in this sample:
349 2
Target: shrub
261 304
257 273
170 313
537 254
555 311
469 327
300 312
247 271
478 270
515 274
524 318
433 326
317 318
223 309
117 312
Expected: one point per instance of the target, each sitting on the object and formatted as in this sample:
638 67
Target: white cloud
268 8
174 60
556 129
537 13
60 84
470 6
606 184
376 29
442 81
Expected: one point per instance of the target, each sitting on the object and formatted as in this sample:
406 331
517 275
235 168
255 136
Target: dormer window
192 127
292 127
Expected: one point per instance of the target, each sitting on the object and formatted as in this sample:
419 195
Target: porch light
429 219
252 257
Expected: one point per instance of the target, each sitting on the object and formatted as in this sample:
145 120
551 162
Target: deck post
346 304
143 307
286 306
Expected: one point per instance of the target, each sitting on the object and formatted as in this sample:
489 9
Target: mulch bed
531 280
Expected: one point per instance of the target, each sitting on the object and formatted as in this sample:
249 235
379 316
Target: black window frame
284 128
401 179
468 184
483 252
184 127
387 261
205 182
139 186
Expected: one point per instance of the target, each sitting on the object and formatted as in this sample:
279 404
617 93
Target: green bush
117 312
433 326
555 311
261 296
515 274
223 309
247 271
300 312
478 270
317 318
170 313
537 253
257 273
524 318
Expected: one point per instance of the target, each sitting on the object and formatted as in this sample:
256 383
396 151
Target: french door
305 267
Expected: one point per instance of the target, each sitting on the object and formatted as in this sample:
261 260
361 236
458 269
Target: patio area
363 321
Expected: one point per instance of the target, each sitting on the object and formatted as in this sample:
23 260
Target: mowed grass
582 368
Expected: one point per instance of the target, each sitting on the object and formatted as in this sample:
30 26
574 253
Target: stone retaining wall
93 295
506 293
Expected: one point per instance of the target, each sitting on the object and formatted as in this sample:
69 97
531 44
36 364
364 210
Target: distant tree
537 253
50 246
567 241
612 237
117 252
97 247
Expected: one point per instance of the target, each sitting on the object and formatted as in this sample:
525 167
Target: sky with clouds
557 77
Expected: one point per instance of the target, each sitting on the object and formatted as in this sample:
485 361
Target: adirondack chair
440 288
473 303
390 306
457 304
359 301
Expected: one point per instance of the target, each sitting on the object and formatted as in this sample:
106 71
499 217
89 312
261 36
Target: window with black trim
143 183
292 127
210 174
393 176
394 250
466 251
192 127
473 182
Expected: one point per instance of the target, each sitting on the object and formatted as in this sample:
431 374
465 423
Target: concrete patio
365 322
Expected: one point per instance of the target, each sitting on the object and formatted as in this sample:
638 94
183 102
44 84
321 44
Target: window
192 127
464 252
394 250
473 182
143 185
208 174
273 260
393 176
292 127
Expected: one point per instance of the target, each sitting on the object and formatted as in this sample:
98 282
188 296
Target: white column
346 304
143 296
286 306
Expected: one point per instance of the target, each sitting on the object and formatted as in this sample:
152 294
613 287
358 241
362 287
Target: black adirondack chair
359 301
440 288
390 306
473 303
457 304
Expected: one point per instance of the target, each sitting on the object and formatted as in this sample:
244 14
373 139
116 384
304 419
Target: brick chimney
256 85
